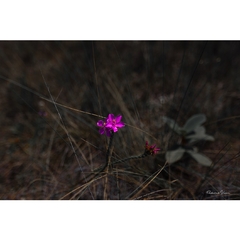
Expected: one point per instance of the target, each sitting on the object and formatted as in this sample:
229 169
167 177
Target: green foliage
191 132
174 155
200 158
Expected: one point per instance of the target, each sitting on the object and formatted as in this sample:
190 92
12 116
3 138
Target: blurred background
48 150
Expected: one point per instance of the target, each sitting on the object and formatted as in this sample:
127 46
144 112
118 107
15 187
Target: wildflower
110 124
103 129
151 150
114 123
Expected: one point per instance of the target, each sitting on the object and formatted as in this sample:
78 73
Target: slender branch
108 159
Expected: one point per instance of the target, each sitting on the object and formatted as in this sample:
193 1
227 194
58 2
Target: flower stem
108 158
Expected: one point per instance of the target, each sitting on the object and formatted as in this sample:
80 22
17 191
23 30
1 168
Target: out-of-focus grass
44 156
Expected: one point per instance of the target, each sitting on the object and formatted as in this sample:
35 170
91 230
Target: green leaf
172 124
208 138
199 135
200 130
195 138
174 155
194 122
200 158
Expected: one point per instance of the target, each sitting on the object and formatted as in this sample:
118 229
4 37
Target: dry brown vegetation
53 93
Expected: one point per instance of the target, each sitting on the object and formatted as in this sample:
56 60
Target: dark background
141 81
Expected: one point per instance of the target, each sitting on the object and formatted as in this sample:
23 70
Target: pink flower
151 150
114 123
103 129
110 124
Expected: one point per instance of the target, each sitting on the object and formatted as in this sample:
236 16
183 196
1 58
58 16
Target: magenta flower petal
151 150
120 124
118 118
110 117
114 129
101 131
111 123
114 122
100 123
